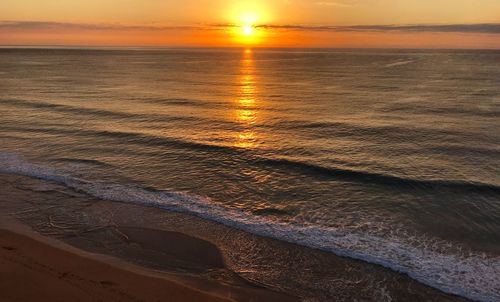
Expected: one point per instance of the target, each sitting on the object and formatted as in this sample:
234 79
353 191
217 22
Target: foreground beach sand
36 268
32 270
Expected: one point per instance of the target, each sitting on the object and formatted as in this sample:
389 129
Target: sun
247 33
247 30
246 19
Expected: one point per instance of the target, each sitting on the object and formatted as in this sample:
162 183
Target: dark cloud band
490 28
485 28
40 25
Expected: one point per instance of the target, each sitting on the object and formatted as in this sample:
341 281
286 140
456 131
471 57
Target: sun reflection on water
246 114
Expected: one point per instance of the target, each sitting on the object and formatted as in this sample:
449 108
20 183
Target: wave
416 109
180 102
399 63
64 108
346 129
383 133
384 179
475 276
128 137
92 162
255 159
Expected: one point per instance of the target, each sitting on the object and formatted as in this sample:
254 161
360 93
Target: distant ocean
387 156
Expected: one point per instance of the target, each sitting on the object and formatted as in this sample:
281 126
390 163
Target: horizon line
151 47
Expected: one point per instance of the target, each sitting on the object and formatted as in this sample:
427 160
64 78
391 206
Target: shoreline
253 266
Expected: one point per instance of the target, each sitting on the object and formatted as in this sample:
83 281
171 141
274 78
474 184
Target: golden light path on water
246 115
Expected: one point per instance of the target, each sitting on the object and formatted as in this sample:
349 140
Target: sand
32 270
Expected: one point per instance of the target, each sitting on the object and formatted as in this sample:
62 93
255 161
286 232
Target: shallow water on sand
390 157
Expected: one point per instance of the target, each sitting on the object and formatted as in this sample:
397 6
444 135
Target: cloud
488 28
485 28
41 25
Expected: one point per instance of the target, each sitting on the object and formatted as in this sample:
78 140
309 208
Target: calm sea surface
391 157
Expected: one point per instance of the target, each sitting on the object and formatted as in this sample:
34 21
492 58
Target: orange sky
273 23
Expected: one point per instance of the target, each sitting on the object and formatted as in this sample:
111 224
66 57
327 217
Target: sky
265 23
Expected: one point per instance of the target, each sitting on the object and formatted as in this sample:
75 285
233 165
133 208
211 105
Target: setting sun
247 30
246 18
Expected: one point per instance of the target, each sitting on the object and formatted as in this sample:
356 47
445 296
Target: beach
131 259
35 271
40 268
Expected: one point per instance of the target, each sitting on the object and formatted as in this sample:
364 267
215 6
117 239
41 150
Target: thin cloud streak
41 25
482 28
488 28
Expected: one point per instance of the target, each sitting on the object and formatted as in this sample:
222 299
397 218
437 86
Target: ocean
391 157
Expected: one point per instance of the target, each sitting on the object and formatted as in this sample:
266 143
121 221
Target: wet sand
31 270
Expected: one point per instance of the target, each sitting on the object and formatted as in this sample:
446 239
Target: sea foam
471 275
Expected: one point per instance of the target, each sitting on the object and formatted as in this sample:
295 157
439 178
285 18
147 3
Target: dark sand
32 270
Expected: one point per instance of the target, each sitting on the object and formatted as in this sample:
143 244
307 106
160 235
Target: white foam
474 276
399 63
